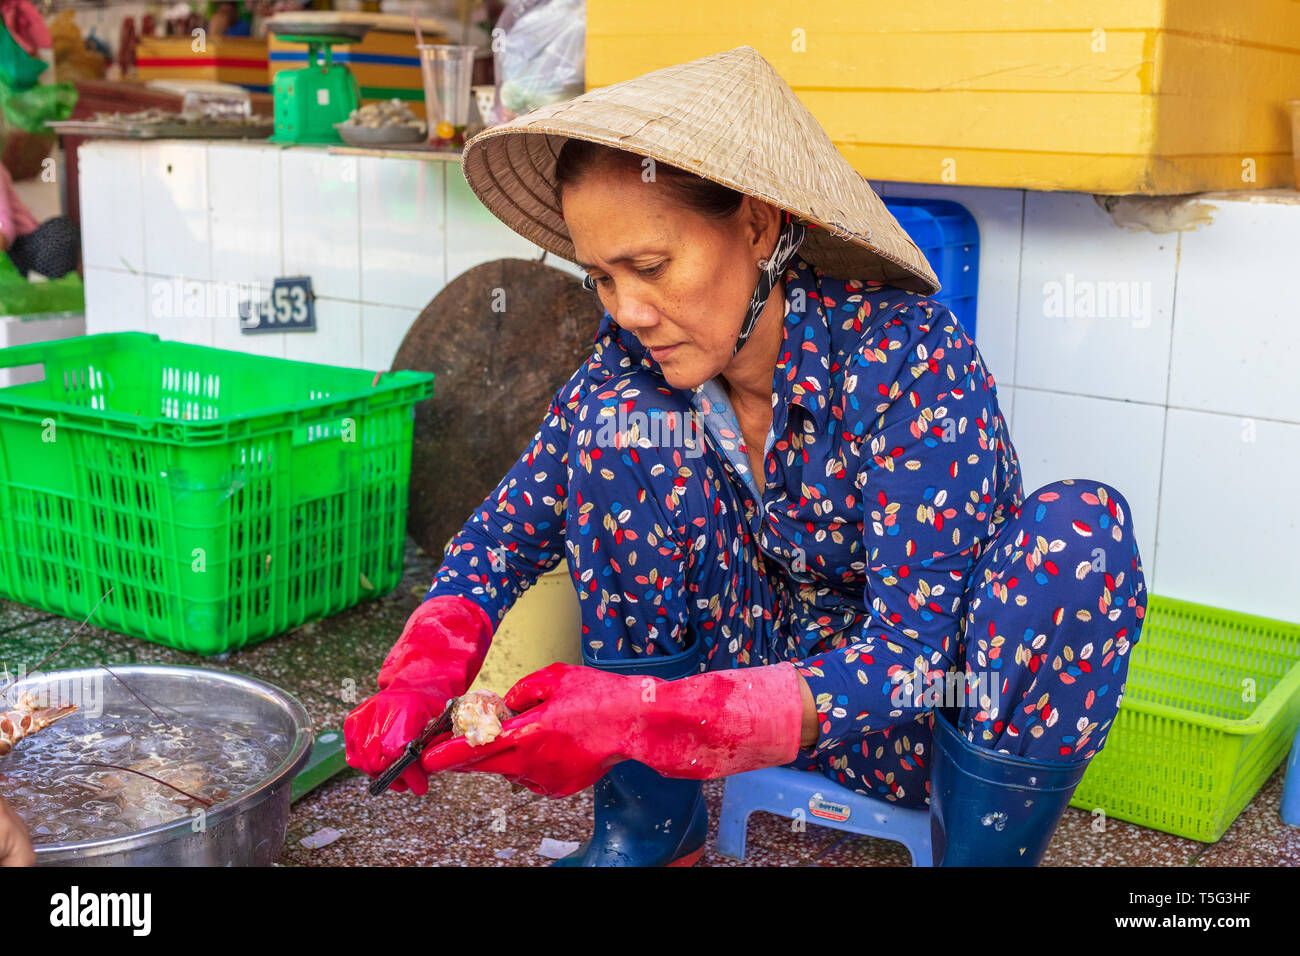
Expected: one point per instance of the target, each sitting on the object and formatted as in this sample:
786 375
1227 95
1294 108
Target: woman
805 518
50 248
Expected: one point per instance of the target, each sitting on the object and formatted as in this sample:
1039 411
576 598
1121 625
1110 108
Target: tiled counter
1179 384
379 236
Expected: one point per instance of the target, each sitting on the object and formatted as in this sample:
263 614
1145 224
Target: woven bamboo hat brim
729 117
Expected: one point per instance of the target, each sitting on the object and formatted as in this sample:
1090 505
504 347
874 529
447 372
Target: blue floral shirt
888 468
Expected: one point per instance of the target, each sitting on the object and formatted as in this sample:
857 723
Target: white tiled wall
403 233
1060 435
379 237
1228 514
19 330
1119 346
321 215
244 209
1185 395
174 194
1181 388
1236 345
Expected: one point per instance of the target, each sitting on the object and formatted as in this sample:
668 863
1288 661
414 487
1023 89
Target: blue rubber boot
643 818
993 809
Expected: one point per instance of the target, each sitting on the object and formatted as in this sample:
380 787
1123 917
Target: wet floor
476 819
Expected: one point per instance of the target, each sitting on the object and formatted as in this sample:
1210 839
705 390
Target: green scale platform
309 101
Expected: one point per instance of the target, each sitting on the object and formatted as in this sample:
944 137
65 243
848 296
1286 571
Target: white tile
20 330
244 192
337 339
403 231
187 310
177 238
382 330
1229 515
474 234
1074 436
321 224
115 302
16 330
998 214
112 205
1095 302
1236 345
227 335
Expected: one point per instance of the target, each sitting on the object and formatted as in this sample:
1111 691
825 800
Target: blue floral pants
666 561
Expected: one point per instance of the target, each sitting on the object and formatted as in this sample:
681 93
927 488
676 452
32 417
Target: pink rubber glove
436 658
577 722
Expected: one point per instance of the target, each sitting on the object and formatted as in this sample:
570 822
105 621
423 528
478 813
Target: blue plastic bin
946 232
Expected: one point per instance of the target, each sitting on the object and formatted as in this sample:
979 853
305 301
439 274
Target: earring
762 264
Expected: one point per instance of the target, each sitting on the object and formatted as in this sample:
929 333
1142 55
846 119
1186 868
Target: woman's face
678 281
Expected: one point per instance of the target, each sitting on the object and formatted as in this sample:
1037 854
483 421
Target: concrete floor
476 819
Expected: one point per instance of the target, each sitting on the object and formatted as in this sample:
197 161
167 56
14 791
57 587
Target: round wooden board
500 339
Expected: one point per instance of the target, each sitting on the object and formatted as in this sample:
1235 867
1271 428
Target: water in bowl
63 801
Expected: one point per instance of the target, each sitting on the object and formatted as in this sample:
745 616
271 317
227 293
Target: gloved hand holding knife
435 660
573 723
577 722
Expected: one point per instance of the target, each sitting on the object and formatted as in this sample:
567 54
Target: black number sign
291 308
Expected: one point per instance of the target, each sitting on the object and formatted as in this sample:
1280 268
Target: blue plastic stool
1290 810
814 798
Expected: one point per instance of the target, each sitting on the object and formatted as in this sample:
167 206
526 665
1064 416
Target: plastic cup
448 71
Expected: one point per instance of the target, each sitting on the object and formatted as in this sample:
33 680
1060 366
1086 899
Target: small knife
439 725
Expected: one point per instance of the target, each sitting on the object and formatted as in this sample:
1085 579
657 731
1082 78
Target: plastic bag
541 55
18 68
20 297
23 104
31 109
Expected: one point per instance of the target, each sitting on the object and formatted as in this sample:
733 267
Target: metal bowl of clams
157 766
385 123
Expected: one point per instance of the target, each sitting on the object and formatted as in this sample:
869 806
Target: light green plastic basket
1210 709
196 497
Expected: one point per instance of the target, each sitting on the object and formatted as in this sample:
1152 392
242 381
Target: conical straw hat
728 117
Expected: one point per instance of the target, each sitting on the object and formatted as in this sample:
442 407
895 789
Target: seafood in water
27 717
477 717
151 790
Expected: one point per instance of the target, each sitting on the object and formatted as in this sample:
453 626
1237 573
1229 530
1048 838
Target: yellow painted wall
1115 96
224 59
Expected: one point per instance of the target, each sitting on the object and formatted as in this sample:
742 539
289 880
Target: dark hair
578 157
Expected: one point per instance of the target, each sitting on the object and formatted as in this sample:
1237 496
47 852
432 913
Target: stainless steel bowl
247 830
380 135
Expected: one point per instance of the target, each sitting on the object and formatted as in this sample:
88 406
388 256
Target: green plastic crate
223 497
1211 706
